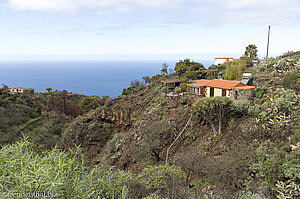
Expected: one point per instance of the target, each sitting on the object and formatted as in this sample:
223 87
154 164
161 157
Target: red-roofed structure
217 87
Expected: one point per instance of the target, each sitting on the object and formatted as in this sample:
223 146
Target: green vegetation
260 91
164 69
89 103
242 106
291 80
161 177
254 151
250 55
60 174
190 69
155 139
213 108
28 91
234 70
214 70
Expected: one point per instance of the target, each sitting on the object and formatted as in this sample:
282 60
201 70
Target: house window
223 92
202 91
212 94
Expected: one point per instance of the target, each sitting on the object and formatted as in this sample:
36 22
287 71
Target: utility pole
268 42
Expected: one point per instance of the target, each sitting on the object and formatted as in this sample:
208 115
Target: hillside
257 154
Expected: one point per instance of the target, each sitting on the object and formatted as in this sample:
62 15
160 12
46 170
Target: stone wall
237 94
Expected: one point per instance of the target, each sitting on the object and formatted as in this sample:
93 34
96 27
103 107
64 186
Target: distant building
171 83
16 90
222 60
212 88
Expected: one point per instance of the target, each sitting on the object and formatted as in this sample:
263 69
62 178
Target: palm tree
251 51
164 69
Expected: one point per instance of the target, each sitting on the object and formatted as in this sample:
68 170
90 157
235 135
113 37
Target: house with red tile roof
212 88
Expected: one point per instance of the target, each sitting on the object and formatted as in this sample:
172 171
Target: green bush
260 91
160 177
183 87
108 102
28 91
286 100
242 106
254 110
276 162
291 80
184 100
23 170
89 103
127 91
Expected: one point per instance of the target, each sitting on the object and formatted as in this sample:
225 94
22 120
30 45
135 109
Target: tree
28 91
135 83
49 89
250 55
212 109
156 138
234 70
146 79
251 52
164 69
4 87
190 69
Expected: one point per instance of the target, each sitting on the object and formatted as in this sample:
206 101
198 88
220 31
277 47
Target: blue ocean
85 77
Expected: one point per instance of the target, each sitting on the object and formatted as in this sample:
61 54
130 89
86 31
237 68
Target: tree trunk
212 125
220 120
220 126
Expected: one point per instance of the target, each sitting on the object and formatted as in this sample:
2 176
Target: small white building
223 60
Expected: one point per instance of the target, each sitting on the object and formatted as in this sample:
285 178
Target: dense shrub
109 102
231 168
164 179
254 110
89 103
260 91
156 137
28 91
242 106
184 100
23 170
287 100
291 80
276 162
183 87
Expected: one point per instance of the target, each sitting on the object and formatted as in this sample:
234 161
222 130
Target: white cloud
209 11
74 5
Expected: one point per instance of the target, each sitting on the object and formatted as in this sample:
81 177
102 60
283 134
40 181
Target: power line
285 22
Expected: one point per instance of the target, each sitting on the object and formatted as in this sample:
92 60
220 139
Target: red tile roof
199 83
245 87
225 84
217 83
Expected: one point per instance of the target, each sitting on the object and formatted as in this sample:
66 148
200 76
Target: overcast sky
120 27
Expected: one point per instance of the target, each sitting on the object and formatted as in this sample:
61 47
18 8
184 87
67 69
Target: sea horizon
92 77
